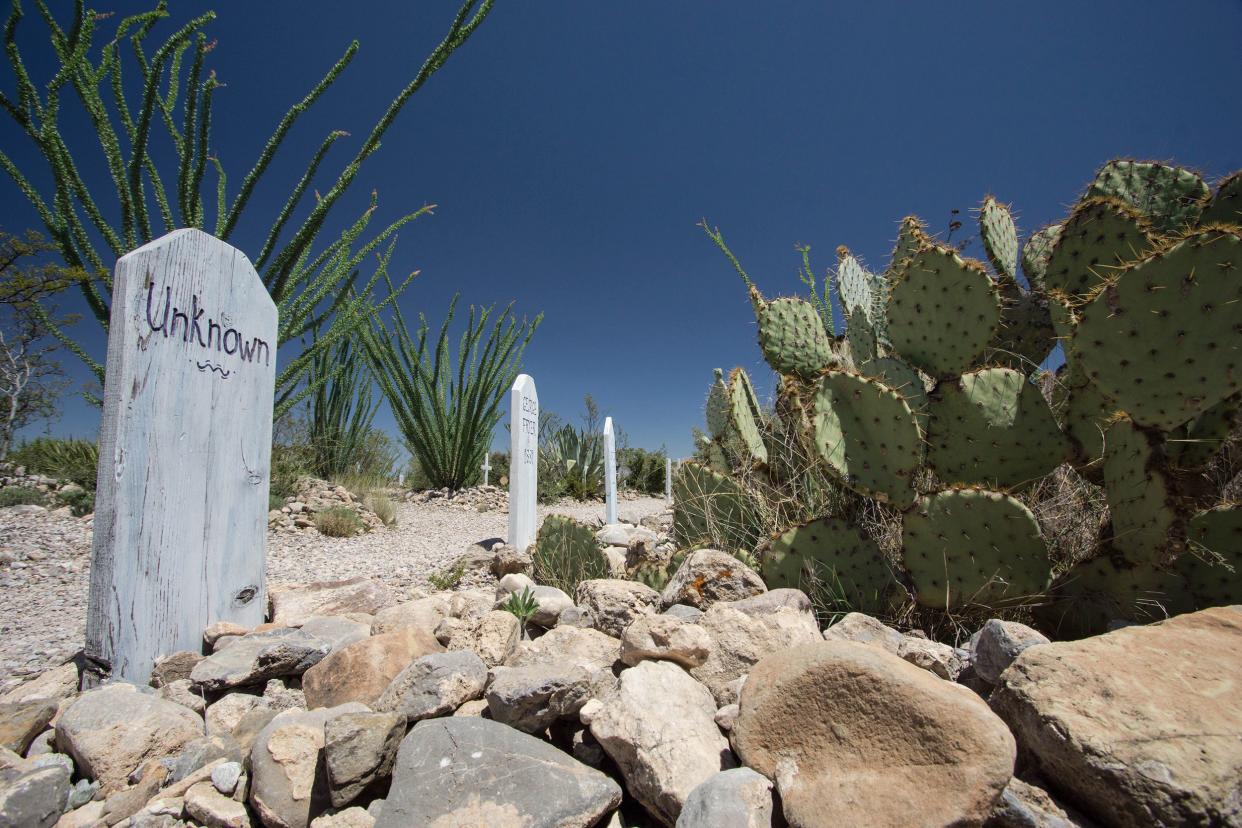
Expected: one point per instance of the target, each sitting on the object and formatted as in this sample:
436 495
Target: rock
511 584
475 707
470 603
726 717
615 534
766 603
1026 806
287 785
222 629
684 612
360 671
185 693
348 818
292 606
250 725
998 644
82 792
213 809
532 698
224 715
435 685
114 729
667 638
204 751
32 798
258 656
57 684
1140 726
708 576
225 777
574 617
21 722
170 668
614 603
864 629
659 728
358 749
491 637
337 630
125 803
424 614
736 798
447 628
932 656
42 744
853 735
552 602
740 640
86 816
615 557
475 772
508 560
278 695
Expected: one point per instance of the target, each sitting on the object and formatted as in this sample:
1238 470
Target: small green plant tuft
80 501
523 605
338 522
74 460
449 577
22 496
382 505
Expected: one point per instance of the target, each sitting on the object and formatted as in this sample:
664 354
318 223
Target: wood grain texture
184 452
523 461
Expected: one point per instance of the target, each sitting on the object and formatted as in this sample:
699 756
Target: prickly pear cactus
833 558
1212 563
566 553
903 379
862 304
867 434
943 311
1161 338
1000 237
1141 496
1035 254
1085 415
1026 334
745 415
711 508
792 337
992 427
1226 206
1194 444
1172 196
1091 595
1098 237
717 407
911 236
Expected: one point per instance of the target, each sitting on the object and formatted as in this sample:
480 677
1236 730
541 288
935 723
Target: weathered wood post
668 480
184 451
610 472
486 468
523 461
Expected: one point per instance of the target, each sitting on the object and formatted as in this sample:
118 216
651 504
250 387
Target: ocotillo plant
310 286
447 407
341 409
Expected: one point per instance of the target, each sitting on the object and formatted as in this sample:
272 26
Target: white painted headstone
610 472
523 461
184 451
486 467
668 480
401 479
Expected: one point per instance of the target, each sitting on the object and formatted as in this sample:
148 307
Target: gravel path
45 566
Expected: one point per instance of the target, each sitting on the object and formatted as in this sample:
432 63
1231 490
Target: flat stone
1140 726
204 751
361 671
213 809
434 685
532 698
735 798
21 722
492 637
337 630
256 657
864 629
358 749
475 772
740 640
665 638
32 798
422 613
614 603
709 576
615 534
57 684
294 605
998 644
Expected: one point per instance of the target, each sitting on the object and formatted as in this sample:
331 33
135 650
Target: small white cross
486 467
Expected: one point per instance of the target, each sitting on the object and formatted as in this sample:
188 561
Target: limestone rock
740 640
667 638
864 629
659 727
934 657
279 695
736 798
615 534
491 637
337 630
999 643
359 748
532 698
475 772
204 751
470 603
292 606
853 735
32 798
213 809
185 693
224 778
423 613
552 602
708 576
613 603
222 629
435 685
287 785
225 714
508 560
114 729
256 657
1025 806
125 803
686 613
174 666
21 722
348 818
1140 726
360 671
56 684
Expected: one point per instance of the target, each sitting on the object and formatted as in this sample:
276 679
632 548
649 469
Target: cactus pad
972 546
745 415
1212 562
1035 254
1085 599
867 435
712 508
1098 237
1193 445
1140 495
992 427
862 301
566 553
1085 415
717 408
911 235
1026 334
1161 339
942 311
1000 237
793 339
832 555
903 379
1226 206
1171 197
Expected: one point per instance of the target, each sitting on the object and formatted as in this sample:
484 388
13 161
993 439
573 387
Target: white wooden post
486 467
610 473
523 461
184 452
668 480
401 479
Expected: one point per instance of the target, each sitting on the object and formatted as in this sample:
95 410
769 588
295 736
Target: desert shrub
338 522
290 463
449 577
22 496
80 501
382 505
65 459
646 470
499 461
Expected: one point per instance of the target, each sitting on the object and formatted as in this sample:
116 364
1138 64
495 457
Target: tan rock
173 667
856 626
739 640
292 605
21 722
213 809
934 657
224 714
854 735
1141 726
613 603
184 693
470 603
221 629
349 818
58 683
360 671
665 638
87 816
423 613
491 637
709 576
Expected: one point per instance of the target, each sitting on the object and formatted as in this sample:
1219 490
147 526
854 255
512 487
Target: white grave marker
668 480
401 479
610 472
184 450
523 461
486 467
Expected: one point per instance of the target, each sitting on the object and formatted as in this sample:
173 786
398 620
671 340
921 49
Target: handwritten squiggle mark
204 366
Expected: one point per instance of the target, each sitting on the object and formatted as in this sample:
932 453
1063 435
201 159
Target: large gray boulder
735 798
471 771
32 797
358 749
257 657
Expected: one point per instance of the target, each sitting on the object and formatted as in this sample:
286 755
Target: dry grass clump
338 522
381 504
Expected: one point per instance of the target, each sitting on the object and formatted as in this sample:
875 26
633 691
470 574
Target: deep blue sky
572 146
